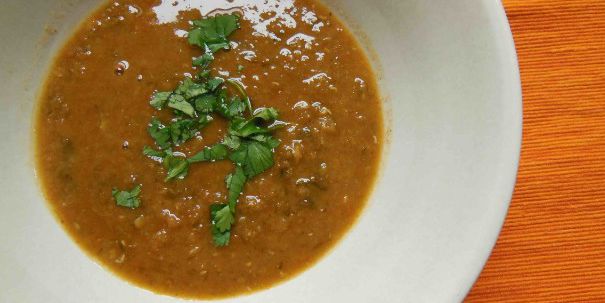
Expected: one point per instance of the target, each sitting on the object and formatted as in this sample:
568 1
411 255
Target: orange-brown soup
92 124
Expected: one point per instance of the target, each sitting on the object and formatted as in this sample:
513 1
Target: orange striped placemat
552 247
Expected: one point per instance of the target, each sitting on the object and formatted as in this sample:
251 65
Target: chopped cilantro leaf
214 83
177 132
235 108
159 99
159 133
204 60
128 199
221 218
190 89
152 153
266 113
222 215
254 157
177 167
183 129
267 139
179 103
235 185
213 153
203 74
206 103
212 32
205 120
246 128
220 238
232 142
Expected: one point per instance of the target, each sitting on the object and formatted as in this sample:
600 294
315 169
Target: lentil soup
92 126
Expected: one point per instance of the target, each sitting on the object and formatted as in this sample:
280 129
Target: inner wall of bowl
36 257
449 71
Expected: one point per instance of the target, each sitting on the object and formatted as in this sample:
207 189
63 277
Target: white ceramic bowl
449 71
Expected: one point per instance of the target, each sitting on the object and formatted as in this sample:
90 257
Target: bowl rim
511 51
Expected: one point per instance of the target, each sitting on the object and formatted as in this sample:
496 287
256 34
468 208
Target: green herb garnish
176 166
128 199
235 185
203 61
159 99
213 153
152 153
212 32
249 143
254 157
160 133
178 102
221 218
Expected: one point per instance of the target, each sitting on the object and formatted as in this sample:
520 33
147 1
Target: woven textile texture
552 247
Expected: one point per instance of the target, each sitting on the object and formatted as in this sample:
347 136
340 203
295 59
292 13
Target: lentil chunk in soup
92 126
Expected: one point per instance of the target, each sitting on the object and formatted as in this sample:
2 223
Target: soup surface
92 126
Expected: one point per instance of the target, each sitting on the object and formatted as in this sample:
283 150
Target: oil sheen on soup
93 116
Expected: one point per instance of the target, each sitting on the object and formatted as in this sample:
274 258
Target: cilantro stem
242 92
